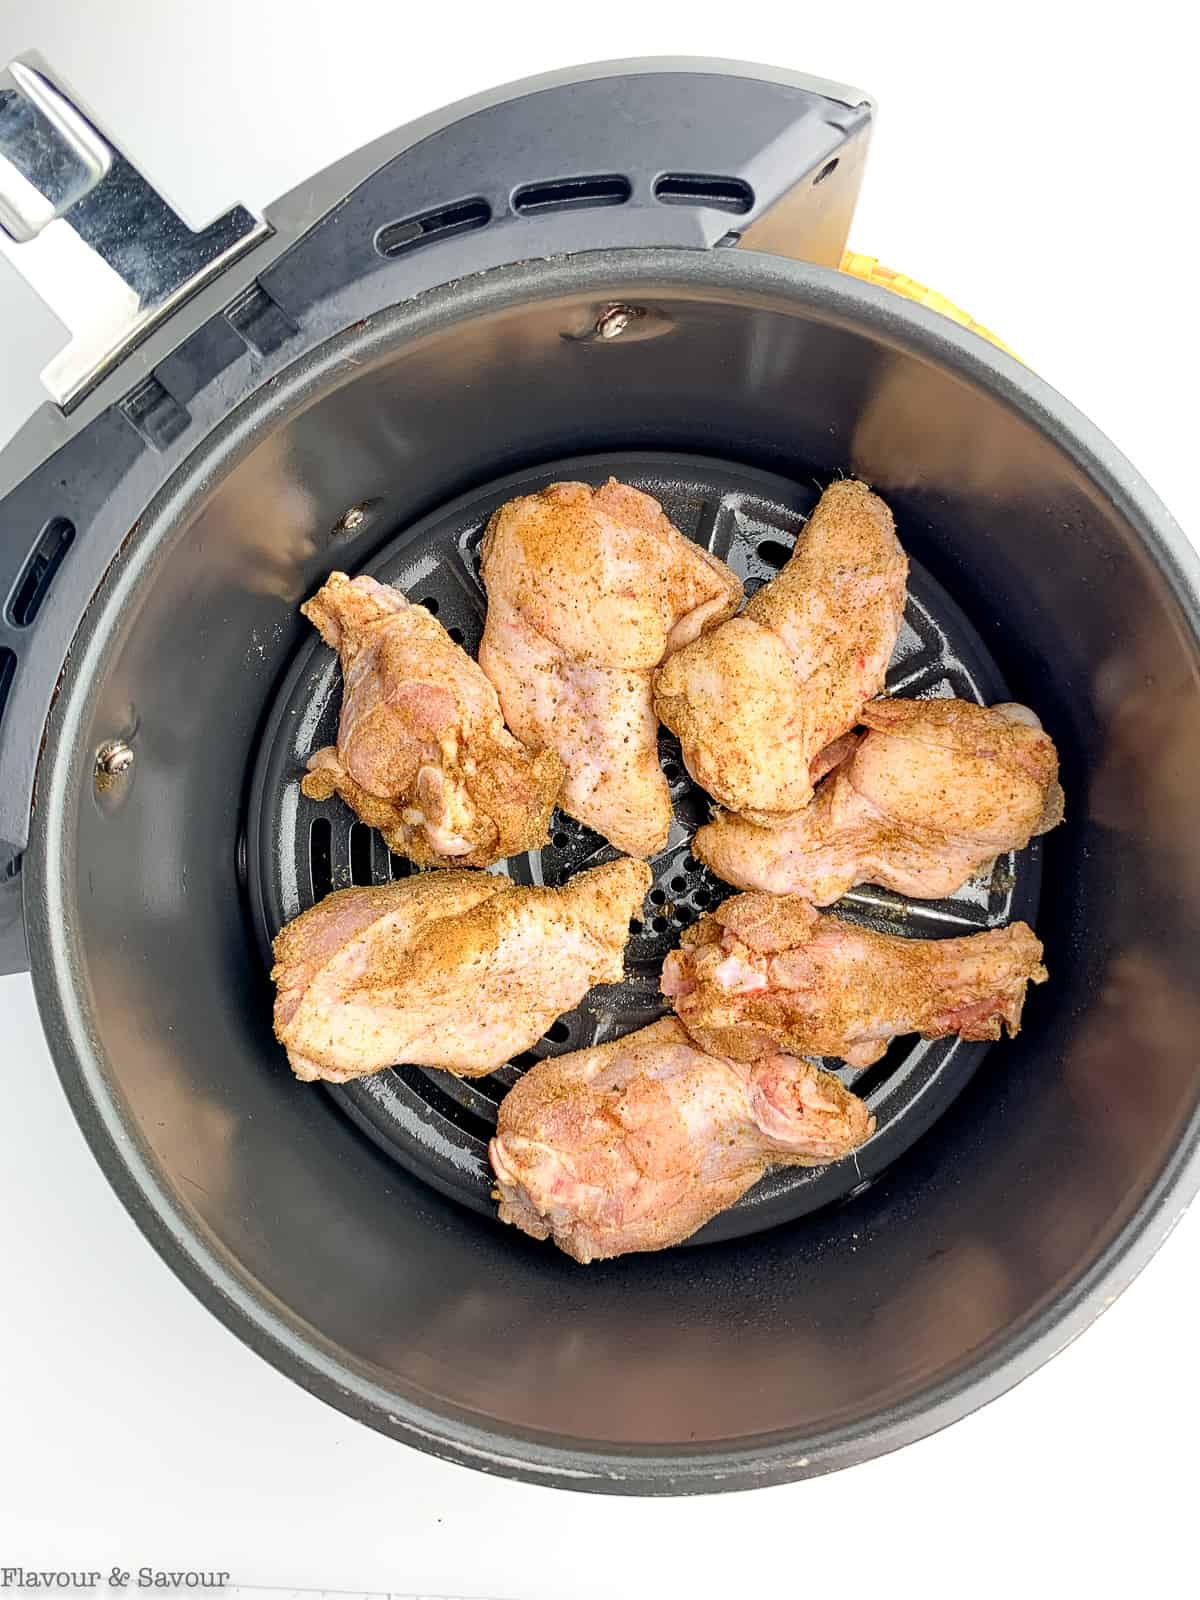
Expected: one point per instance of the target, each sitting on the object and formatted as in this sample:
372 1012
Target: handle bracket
90 234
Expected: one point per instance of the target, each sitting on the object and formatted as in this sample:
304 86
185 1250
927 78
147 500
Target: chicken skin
422 752
933 792
758 699
452 969
764 973
635 1144
589 590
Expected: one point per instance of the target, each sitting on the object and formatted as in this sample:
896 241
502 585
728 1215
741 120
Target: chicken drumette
765 973
588 591
422 751
452 969
933 792
756 701
635 1144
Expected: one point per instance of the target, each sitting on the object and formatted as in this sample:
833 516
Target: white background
1034 162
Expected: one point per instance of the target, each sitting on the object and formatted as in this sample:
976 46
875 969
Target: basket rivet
113 761
611 324
350 521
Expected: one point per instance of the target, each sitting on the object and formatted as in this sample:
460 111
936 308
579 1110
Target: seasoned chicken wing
422 751
933 792
452 969
757 700
634 1145
765 973
588 591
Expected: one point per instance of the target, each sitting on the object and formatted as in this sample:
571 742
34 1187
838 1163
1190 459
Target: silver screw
350 521
113 761
612 323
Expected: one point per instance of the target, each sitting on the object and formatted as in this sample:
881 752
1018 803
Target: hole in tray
38 573
679 884
399 866
360 855
703 189
659 924
775 553
658 897
320 857
572 194
558 1032
870 1078
429 601
826 170
561 841
456 634
433 1088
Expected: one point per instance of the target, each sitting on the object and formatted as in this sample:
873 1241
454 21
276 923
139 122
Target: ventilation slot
44 561
571 194
360 855
697 189
320 857
444 223
8 668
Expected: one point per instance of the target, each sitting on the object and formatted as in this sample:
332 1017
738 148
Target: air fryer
626 269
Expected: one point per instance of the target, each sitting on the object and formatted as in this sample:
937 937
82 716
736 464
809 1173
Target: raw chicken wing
452 969
422 751
757 700
635 1144
588 591
764 973
935 791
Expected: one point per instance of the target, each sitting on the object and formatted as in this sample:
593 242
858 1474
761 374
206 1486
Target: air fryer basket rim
198 1257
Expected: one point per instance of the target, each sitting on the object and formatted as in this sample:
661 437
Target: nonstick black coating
1032 1199
298 849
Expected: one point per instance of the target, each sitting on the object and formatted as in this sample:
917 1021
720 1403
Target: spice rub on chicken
763 973
635 1144
422 752
589 590
933 792
757 700
460 970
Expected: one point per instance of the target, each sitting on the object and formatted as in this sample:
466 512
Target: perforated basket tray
297 849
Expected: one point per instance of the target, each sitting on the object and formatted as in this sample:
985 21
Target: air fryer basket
298 849
975 1250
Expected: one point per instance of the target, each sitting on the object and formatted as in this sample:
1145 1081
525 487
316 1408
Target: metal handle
92 236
